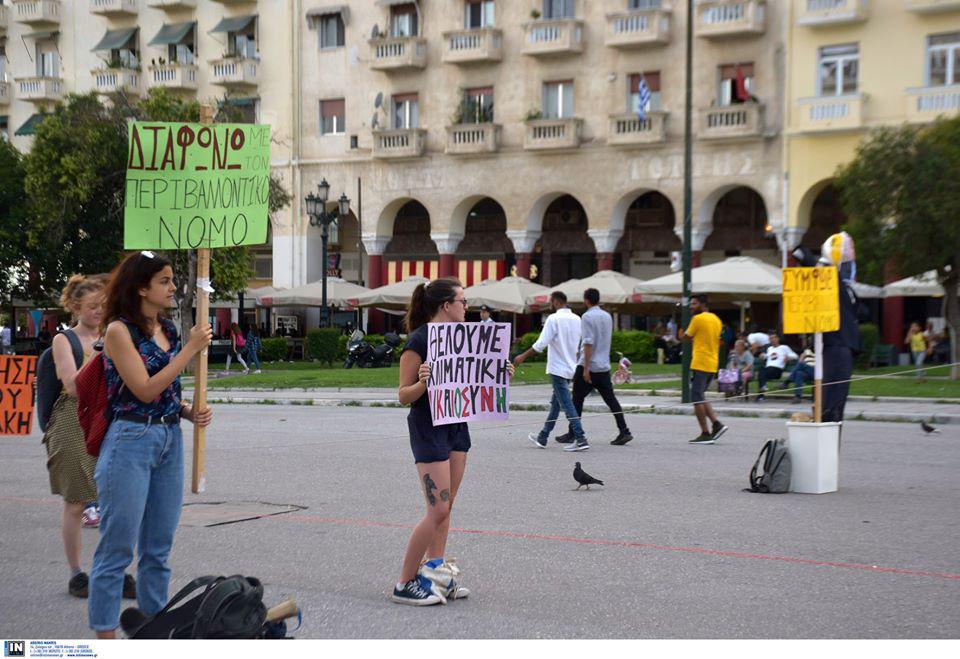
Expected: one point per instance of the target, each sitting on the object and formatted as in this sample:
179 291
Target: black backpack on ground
221 608
775 478
49 385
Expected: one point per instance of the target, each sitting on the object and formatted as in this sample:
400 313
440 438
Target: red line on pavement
633 545
589 541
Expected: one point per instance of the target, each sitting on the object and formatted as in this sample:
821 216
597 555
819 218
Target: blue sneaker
416 592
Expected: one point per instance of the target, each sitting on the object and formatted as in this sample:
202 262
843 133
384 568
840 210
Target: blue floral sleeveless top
155 359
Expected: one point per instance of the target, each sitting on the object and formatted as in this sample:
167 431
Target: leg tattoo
444 495
429 486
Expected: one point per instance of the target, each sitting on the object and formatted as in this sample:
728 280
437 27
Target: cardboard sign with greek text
469 380
811 300
196 186
17 373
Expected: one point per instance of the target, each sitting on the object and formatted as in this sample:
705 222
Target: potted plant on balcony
535 13
533 115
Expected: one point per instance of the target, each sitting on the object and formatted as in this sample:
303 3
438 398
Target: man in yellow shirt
704 331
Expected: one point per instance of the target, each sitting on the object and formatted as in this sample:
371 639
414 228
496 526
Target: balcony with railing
5 93
172 5
731 122
467 139
116 81
548 134
399 143
830 113
931 6
114 7
40 89
630 130
928 103
235 2
473 46
235 72
4 18
173 76
561 36
394 53
819 13
730 18
639 27
36 12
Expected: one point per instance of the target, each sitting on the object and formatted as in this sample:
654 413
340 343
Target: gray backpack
775 478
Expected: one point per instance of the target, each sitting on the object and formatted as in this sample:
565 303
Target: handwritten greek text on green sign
195 186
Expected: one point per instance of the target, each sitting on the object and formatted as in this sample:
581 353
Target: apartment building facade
854 66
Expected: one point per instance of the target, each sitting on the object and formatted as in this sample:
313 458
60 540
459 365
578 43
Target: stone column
789 239
374 246
605 240
447 246
698 236
523 241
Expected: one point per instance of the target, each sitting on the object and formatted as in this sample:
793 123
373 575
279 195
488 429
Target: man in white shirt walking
561 334
777 357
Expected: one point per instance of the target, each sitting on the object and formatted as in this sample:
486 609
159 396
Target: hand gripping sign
469 376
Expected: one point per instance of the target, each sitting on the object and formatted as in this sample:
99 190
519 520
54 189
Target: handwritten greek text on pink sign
469 380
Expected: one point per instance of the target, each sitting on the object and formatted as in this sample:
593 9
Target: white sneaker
246 371
257 372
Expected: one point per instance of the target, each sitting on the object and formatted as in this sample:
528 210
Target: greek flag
643 97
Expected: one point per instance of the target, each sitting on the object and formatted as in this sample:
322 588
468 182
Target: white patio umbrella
925 285
263 292
866 291
391 296
507 294
340 293
616 290
738 278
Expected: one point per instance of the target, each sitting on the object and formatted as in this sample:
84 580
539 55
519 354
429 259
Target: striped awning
115 39
474 271
314 14
400 270
234 23
29 127
172 33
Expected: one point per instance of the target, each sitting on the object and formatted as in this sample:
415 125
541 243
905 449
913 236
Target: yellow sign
811 300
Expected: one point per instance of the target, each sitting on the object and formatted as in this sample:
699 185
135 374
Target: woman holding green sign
139 474
440 452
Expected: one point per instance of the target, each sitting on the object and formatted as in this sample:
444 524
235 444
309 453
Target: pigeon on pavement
927 428
583 478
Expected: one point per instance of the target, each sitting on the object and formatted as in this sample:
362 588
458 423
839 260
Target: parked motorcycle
365 355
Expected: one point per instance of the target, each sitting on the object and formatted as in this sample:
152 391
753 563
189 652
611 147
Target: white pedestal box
815 456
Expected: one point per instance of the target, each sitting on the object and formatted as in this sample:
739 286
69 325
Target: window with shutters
477 106
331 31
943 59
558 99
332 115
727 94
48 59
243 43
652 79
645 4
406 111
403 20
479 13
838 70
558 9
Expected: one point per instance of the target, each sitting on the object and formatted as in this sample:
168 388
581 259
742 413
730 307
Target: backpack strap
76 346
755 485
196 584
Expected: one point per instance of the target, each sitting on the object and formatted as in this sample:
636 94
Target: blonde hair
77 287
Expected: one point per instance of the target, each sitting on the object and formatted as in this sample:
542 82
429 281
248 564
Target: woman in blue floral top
139 474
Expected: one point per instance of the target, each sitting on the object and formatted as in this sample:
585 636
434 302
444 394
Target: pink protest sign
469 380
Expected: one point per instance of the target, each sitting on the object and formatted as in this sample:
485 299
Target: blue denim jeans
139 478
562 399
801 373
253 359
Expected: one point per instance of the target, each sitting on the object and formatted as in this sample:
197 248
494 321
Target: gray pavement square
671 547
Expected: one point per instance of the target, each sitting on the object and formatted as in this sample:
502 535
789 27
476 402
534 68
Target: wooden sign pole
202 298
818 377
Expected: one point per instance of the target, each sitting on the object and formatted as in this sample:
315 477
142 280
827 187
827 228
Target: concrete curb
629 408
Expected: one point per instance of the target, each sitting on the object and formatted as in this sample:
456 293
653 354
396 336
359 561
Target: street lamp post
319 217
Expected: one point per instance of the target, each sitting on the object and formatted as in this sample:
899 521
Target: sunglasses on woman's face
461 301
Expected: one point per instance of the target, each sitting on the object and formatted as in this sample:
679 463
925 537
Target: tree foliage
12 213
902 196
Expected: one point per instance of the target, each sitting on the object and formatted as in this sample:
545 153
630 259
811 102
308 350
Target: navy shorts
431 443
699 381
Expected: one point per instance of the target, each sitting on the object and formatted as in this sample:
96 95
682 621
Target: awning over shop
29 127
314 14
234 23
37 36
115 39
172 33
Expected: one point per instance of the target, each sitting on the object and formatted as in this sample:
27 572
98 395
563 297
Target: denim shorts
431 443
699 381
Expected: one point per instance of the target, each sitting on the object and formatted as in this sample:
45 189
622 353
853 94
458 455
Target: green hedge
636 345
869 338
274 350
322 344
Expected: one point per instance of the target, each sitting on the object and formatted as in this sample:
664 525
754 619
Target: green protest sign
196 186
